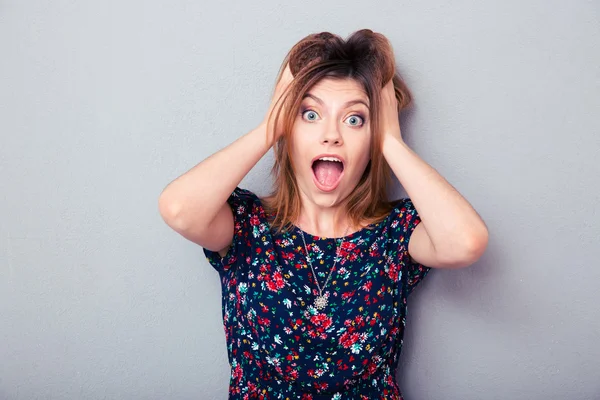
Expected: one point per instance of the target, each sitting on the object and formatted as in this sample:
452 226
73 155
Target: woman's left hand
390 123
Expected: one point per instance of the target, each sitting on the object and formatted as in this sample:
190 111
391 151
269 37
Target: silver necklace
321 300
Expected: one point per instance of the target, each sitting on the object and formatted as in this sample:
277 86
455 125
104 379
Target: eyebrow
346 104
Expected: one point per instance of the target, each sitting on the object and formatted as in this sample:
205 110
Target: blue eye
309 112
357 118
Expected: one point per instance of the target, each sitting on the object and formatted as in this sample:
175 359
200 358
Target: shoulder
244 201
403 222
245 194
404 213
402 204
249 211
248 223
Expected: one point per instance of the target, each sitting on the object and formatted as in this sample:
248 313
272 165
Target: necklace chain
321 301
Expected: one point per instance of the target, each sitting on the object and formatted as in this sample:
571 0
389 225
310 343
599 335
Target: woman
315 277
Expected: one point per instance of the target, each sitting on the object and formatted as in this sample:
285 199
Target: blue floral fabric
279 345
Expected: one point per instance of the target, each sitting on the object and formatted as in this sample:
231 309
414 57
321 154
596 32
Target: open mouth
327 172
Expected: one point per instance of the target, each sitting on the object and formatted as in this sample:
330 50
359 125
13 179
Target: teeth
329 159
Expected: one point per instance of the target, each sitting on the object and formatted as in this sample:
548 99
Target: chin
326 199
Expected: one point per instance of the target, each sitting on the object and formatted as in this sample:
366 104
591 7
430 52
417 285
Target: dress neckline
349 236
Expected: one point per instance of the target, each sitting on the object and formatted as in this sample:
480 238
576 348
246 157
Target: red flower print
276 282
237 372
348 246
313 334
321 320
348 339
263 321
393 271
371 368
347 295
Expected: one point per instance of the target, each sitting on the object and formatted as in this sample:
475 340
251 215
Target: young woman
315 277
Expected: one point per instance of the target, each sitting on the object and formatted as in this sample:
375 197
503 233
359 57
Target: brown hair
366 57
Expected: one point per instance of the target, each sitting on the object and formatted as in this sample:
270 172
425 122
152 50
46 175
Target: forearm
196 197
450 221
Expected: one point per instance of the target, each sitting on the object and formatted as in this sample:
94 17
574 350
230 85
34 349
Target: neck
327 222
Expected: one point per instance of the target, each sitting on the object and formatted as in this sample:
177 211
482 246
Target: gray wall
103 104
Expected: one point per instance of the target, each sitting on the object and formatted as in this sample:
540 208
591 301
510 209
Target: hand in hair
275 132
390 122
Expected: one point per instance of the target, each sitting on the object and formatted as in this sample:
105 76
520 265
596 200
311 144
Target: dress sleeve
244 205
407 220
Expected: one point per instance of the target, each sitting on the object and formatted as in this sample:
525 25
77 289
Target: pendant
320 302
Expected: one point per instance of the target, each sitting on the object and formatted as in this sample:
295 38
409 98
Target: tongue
327 172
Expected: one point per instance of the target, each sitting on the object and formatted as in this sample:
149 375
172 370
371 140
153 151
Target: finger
287 74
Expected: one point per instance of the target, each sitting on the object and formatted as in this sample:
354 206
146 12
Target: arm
195 204
451 233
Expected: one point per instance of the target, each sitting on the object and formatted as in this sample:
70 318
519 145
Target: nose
332 134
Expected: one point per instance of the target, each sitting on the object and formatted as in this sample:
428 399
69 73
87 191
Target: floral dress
279 345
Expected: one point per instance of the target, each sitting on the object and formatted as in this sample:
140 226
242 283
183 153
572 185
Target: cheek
303 142
363 149
364 161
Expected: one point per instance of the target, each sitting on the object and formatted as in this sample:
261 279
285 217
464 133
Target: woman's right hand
275 132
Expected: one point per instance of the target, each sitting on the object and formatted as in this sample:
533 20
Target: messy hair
367 58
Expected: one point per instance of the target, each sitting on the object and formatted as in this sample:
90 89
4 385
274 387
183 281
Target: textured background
103 103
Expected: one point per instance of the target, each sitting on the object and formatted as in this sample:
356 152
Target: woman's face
333 121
